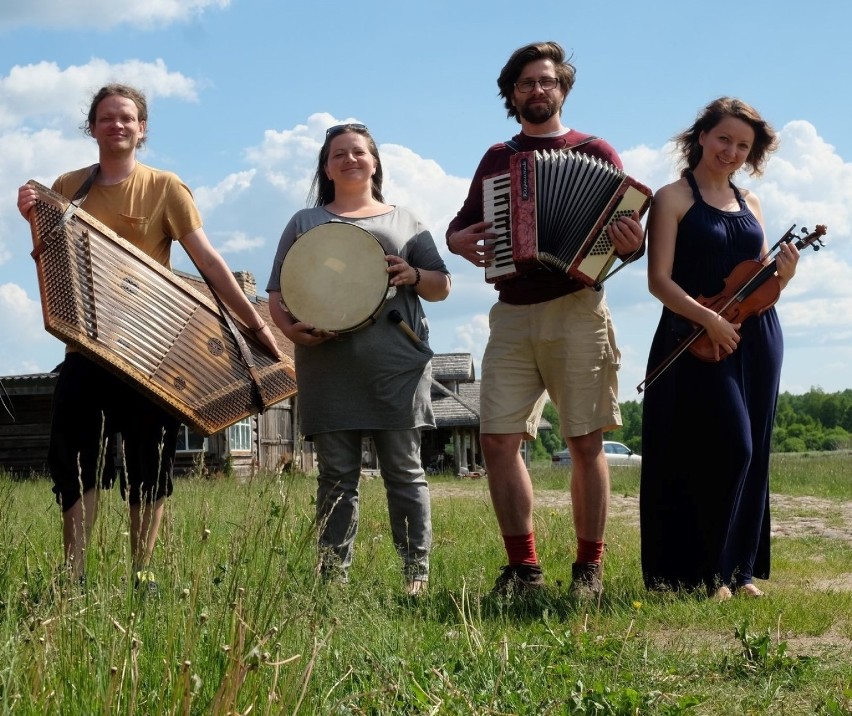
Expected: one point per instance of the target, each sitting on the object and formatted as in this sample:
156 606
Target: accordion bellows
552 209
116 305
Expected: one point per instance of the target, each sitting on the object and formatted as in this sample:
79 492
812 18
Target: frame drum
335 277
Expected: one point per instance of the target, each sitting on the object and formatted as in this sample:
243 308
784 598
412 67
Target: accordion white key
552 209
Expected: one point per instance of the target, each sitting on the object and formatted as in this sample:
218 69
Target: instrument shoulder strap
588 140
78 198
81 194
515 147
245 351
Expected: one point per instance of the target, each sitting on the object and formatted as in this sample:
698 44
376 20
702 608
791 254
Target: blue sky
241 92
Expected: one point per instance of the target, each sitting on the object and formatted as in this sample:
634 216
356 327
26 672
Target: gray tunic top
374 378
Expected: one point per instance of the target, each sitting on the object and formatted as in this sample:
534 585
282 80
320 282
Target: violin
750 289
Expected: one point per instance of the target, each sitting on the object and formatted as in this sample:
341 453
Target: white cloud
208 198
40 110
651 167
287 159
43 94
239 241
24 337
807 183
422 186
103 14
472 336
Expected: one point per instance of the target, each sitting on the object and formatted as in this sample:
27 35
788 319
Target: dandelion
637 605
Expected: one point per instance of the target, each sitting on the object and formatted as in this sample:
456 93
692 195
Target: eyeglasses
338 128
546 84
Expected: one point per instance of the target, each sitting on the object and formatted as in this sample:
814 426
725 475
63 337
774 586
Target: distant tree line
813 421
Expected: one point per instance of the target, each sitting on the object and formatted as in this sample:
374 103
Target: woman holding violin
707 421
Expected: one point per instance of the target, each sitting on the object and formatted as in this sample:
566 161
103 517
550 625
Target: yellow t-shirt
150 208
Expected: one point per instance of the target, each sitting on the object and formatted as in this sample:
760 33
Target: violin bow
813 239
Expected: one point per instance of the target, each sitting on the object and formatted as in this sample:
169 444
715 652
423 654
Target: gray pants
409 507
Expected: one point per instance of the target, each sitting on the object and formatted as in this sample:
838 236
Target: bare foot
750 590
722 594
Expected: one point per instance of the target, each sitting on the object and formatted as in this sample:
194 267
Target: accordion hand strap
635 255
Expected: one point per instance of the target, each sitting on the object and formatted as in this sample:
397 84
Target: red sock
589 550
520 549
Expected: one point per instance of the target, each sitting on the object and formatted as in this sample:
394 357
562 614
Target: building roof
447 367
29 383
456 410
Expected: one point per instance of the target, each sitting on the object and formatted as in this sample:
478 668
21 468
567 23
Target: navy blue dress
706 430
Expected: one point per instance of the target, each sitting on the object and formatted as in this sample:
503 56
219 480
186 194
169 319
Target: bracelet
416 273
259 328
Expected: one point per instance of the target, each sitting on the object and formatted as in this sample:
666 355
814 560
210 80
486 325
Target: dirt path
791 516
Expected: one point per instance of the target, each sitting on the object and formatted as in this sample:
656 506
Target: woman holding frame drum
368 374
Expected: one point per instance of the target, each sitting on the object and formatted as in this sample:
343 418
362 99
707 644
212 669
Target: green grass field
243 626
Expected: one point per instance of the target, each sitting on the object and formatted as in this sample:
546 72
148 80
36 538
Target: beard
539 112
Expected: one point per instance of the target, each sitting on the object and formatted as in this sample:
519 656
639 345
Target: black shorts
90 407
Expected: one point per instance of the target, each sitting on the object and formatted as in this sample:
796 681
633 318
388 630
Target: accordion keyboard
496 205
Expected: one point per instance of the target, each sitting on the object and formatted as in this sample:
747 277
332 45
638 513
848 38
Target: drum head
335 277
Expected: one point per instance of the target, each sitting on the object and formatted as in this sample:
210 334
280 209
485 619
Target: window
188 441
239 436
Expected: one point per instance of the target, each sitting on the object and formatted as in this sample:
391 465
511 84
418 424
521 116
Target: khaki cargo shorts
564 349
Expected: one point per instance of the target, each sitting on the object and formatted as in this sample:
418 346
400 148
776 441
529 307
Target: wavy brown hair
765 137
565 71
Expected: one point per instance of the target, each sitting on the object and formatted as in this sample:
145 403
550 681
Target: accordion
119 307
552 209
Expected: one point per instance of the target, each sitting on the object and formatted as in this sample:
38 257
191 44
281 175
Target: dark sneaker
518 579
586 581
146 584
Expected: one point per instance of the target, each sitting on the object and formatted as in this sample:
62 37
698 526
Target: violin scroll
810 238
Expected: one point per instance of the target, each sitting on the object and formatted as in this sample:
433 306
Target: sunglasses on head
338 128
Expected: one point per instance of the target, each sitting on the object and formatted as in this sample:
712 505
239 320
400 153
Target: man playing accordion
551 335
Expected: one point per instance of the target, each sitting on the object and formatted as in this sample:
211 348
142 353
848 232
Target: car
616 454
